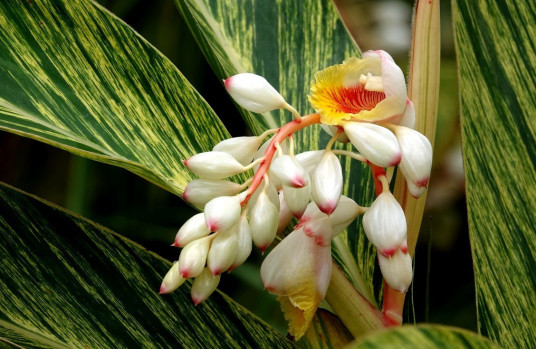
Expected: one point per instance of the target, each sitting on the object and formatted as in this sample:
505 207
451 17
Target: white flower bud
244 242
327 183
193 257
243 149
172 280
416 161
376 143
310 159
222 213
193 229
289 171
214 165
284 213
347 210
204 285
254 93
263 221
297 199
397 270
200 191
385 224
223 251
270 190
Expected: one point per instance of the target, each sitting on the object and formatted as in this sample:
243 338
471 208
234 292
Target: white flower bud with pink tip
244 242
200 191
172 280
385 224
204 285
297 199
327 182
309 160
193 229
397 270
289 171
254 93
214 165
416 161
243 149
193 257
263 221
376 143
222 213
223 251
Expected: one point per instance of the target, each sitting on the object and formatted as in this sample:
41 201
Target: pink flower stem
393 300
285 131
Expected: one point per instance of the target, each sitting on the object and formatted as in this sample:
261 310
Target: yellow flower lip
370 89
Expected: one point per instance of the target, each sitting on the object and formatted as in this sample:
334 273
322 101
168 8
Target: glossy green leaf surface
425 337
76 77
287 42
496 60
66 282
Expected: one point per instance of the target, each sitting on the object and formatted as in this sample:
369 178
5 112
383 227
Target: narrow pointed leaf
496 62
66 282
76 77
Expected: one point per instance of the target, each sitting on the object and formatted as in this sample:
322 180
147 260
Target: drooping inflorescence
363 101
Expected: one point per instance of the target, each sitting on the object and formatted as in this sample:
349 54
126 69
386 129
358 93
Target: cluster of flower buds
363 101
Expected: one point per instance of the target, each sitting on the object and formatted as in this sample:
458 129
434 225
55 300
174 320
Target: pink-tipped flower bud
223 251
193 229
397 270
385 224
193 257
289 171
222 213
243 149
200 191
316 224
297 199
310 159
252 92
263 220
204 285
214 165
244 242
172 280
376 143
327 183
416 161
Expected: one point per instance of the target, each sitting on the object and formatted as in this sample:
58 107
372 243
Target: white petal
327 183
385 224
416 161
254 93
310 159
243 149
200 191
377 144
244 243
172 280
223 251
193 257
204 285
214 165
331 130
263 221
297 199
408 118
193 229
285 215
347 210
397 270
289 171
222 213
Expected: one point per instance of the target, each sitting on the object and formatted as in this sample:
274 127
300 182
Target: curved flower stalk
361 100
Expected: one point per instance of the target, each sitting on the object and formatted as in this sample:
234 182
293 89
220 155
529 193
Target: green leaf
67 282
76 77
496 60
287 42
425 337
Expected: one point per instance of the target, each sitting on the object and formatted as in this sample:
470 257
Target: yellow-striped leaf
66 282
496 62
287 42
425 337
76 77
